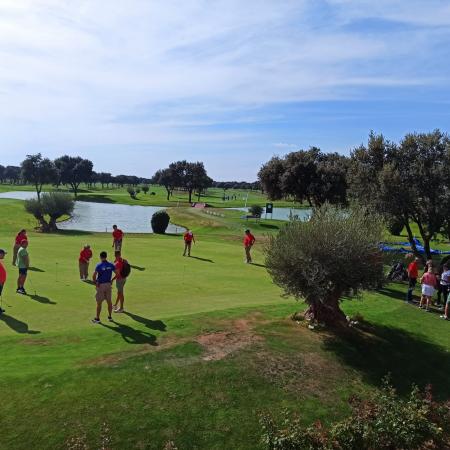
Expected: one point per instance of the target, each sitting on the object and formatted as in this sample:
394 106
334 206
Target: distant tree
335 253
38 171
256 210
270 176
137 190
2 173
408 183
12 174
145 188
52 205
104 178
73 171
167 178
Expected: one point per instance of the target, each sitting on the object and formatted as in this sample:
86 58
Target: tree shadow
41 299
152 324
393 293
202 259
376 350
269 226
96 198
141 269
131 335
17 325
258 265
75 233
35 269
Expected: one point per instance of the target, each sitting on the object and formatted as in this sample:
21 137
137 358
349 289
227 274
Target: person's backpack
126 269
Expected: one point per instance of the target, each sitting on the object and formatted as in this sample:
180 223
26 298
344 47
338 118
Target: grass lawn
206 346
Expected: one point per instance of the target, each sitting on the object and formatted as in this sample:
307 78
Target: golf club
32 286
56 272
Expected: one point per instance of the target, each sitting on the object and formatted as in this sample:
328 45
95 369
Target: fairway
206 344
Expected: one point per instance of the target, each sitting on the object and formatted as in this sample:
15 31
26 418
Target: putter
32 286
56 272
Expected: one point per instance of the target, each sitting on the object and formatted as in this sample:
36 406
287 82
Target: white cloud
140 72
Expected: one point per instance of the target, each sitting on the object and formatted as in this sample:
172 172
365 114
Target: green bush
256 210
160 222
384 421
395 226
131 191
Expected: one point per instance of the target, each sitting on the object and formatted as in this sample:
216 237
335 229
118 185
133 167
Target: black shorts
23 272
1 289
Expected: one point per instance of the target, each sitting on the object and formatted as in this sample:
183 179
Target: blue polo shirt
105 271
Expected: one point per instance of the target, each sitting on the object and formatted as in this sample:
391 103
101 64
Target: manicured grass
207 345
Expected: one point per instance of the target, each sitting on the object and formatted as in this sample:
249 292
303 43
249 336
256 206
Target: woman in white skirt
429 283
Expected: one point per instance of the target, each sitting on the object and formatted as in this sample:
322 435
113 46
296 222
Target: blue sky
135 85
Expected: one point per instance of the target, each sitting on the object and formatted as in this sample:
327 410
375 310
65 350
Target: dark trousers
442 290
411 286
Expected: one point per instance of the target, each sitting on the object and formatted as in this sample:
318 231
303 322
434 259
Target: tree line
406 182
66 170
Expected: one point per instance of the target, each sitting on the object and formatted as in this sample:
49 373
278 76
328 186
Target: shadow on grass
152 324
96 199
41 299
17 325
75 233
35 269
131 335
141 269
269 226
88 282
393 293
376 350
202 259
257 265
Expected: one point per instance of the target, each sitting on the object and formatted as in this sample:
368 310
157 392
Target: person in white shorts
429 283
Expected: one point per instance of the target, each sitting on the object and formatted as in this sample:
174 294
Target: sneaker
444 317
95 320
110 319
427 310
120 310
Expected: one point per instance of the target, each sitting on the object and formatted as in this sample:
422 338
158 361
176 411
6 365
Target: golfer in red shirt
120 283
413 274
117 238
21 236
188 240
249 240
83 262
2 274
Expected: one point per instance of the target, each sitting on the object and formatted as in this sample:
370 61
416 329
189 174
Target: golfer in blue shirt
103 277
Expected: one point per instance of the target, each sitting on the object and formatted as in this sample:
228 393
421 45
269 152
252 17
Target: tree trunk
190 195
52 225
411 240
168 193
327 312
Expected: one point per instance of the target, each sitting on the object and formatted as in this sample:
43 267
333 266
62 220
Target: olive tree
49 209
334 254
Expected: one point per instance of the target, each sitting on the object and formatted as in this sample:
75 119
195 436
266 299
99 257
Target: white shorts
427 290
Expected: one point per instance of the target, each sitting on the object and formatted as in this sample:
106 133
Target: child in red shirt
21 235
249 240
188 239
117 238
83 262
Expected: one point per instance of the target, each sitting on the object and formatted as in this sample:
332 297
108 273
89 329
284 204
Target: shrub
384 421
137 191
395 226
160 222
145 189
256 210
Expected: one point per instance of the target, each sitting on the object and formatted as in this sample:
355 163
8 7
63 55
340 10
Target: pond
282 213
100 217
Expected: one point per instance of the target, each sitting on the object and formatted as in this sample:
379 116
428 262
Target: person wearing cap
83 262
2 274
249 240
23 263
188 239
21 235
